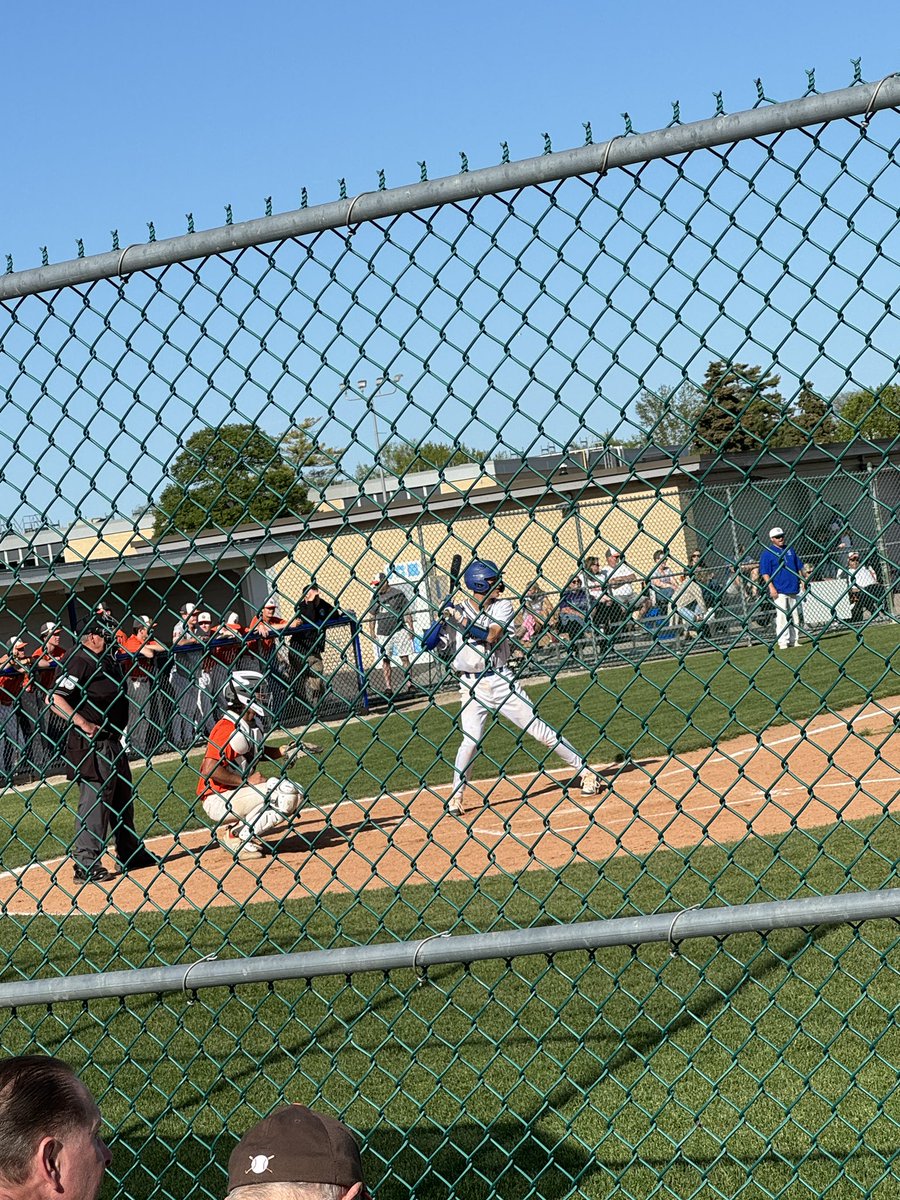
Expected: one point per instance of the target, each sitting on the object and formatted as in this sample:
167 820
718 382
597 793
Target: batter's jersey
473 658
234 742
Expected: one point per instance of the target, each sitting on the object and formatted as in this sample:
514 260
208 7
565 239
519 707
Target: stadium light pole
369 399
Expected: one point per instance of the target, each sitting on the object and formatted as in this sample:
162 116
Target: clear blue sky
119 114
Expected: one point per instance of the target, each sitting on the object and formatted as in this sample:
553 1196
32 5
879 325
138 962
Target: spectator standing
297 1154
391 629
50 1143
306 646
142 722
92 696
46 663
14 677
206 699
865 592
187 655
782 571
226 647
267 628
618 595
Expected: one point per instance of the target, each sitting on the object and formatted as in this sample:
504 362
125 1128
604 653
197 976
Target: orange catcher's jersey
234 742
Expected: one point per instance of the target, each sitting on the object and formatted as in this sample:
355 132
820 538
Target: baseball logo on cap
259 1163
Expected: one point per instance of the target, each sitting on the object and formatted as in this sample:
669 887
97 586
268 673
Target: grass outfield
772 1060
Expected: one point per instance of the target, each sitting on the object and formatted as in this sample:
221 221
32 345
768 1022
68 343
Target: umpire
92 696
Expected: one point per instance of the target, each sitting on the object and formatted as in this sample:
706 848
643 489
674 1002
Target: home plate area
839 766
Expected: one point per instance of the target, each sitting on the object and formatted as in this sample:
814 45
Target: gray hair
288 1191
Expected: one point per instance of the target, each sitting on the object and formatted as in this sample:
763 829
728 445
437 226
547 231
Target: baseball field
759 1057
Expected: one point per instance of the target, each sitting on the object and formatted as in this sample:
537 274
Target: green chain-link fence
636 358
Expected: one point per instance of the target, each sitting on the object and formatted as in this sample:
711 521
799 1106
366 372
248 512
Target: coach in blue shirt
783 572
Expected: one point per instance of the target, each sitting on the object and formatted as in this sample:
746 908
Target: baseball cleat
590 783
455 806
241 847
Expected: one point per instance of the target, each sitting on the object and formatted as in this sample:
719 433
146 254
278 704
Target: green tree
312 460
740 407
871 414
666 417
811 420
399 459
224 477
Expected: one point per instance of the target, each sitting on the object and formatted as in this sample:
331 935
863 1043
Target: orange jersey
142 667
11 685
227 653
45 677
232 742
266 642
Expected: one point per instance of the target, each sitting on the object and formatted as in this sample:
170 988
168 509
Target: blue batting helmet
481 576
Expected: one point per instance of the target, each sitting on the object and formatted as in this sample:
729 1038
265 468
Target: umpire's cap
296 1145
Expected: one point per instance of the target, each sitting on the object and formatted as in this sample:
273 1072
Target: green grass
762 1064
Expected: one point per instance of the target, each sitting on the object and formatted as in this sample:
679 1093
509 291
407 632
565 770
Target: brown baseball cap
296 1145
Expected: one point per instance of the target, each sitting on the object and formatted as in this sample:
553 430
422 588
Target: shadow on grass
510 1157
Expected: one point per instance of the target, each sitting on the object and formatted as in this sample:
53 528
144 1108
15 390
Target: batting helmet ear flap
481 576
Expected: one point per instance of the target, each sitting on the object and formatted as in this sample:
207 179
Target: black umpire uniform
306 646
92 692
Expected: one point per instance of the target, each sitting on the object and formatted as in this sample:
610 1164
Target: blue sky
128 115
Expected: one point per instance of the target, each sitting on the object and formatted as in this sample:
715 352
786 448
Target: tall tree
872 414
665 417
314 461
810 420
740 407
224 477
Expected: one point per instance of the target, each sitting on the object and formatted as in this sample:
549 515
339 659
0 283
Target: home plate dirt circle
837 766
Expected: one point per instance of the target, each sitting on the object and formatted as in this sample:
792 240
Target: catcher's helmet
481 576
246 689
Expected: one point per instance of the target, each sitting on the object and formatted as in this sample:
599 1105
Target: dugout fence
666 343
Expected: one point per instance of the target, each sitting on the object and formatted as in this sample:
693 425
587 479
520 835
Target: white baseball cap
187 609
49 627
776 532
204 618
233 619
15 642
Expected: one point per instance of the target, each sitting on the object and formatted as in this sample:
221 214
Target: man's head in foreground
50 1143
296 1154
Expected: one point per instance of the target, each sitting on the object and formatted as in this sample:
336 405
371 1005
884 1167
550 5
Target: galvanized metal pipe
674 927
369 206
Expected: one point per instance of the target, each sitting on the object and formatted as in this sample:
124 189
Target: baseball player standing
479 629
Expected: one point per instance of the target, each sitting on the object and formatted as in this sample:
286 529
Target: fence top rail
626 150
441 949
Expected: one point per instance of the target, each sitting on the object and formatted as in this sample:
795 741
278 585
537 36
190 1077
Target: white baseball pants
501 696
254 808
787 620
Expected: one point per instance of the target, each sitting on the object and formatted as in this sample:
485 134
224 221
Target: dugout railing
666 342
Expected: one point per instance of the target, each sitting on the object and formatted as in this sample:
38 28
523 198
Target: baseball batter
235 794
477 630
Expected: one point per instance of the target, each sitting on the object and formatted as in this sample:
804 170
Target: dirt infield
838 766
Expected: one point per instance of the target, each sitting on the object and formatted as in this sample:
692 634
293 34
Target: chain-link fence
651 387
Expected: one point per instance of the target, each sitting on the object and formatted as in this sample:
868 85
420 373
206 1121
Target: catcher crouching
235 794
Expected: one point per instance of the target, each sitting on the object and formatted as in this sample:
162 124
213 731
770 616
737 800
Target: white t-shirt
862 577
472 658
622 591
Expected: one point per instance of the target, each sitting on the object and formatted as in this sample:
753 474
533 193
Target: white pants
787 620
501 696
254 808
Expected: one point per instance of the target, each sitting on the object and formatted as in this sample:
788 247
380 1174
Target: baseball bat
453 584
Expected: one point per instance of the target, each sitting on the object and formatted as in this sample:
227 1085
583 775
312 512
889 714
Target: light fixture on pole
361 385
